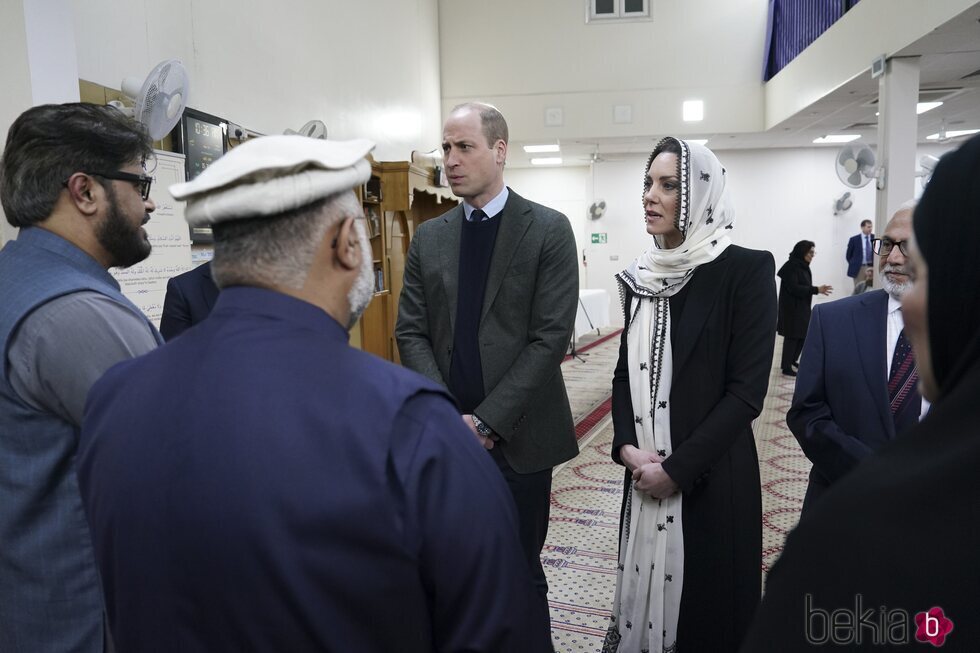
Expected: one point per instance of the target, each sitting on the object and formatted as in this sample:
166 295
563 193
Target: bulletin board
145 284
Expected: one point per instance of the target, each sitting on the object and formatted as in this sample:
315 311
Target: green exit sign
599 239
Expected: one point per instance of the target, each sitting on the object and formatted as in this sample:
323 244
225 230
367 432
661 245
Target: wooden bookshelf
403 196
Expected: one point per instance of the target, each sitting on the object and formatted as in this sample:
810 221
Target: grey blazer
528 315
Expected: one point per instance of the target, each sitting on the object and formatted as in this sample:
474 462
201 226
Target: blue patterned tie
867 250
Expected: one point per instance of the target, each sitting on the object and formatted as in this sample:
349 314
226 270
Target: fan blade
846 154
856 179
866 158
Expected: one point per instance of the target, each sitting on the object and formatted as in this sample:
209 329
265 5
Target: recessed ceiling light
922 107
953 133
836 138
546 161
537 149
693 110
699 141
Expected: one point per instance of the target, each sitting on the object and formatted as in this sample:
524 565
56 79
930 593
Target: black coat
796 291
903 531
722 348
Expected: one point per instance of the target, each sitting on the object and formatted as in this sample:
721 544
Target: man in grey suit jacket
487 309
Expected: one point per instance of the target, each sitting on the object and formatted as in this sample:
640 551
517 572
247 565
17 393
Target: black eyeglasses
884 246
144 181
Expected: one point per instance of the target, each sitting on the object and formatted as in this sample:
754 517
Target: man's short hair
49 143
277 250
865 222
494 125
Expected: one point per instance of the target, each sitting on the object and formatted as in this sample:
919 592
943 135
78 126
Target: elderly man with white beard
258 484
856 388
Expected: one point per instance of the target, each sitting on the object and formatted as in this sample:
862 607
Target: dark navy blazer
840 408
855 254
190 297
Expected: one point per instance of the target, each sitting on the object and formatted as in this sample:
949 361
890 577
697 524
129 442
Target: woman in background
796 291
900 534
693 371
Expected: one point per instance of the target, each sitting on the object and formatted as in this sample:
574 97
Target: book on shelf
373 221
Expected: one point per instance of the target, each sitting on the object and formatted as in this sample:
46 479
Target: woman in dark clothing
796 291
692 375
900 534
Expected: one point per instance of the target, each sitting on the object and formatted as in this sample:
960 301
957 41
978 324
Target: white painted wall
368 69
567 189
525 56
781 196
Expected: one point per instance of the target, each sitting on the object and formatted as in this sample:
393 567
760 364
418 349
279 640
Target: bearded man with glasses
856 387
73 180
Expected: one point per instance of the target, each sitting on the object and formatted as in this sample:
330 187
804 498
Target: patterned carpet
580 554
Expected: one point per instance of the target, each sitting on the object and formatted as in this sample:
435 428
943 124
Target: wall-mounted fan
856 165
843 203
928 163
312 129
159 100
597 209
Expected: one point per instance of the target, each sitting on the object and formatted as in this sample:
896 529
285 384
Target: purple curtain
795 24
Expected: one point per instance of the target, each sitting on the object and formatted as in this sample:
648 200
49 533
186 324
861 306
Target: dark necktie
478 215
903 393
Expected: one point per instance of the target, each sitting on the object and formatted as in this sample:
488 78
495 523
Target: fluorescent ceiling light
837 138
535 149
693 110
953 133
920 107
546 161
699 141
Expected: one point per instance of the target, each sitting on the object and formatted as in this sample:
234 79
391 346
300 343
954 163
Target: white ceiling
949 60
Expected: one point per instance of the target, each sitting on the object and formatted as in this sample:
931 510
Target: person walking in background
856 386
487 310
796 291
693 372
887 560
858 254
72 178
260 485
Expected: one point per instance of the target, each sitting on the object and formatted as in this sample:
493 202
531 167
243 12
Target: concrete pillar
898 93
39 63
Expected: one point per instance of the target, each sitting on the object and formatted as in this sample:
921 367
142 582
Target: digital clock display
205 143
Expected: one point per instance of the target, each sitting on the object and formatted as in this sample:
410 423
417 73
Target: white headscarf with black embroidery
650 576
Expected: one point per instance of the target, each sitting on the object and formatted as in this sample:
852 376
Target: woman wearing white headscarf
692 375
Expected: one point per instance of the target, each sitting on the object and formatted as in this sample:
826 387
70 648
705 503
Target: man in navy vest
258 484
72 180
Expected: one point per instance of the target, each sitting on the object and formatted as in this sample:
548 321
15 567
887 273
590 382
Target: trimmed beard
362 291
895 290
127 245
